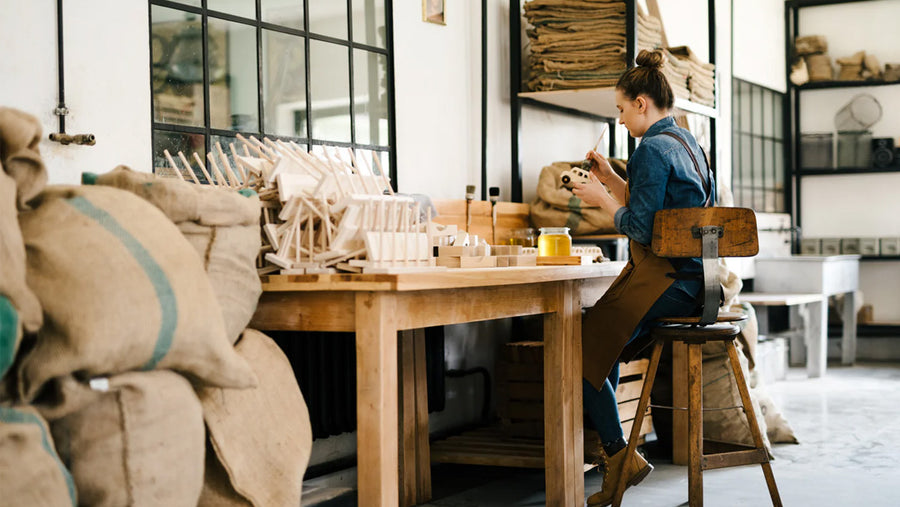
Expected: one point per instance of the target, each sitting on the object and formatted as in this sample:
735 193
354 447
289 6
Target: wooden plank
672 231
734 459
292 311
564 260
763 299
440 307
646 426
629 391
423 448
377 406
408 429
638 367
440 455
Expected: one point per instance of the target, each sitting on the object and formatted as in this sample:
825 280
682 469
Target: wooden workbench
376 307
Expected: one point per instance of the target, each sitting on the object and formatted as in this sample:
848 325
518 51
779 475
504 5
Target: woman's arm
594 194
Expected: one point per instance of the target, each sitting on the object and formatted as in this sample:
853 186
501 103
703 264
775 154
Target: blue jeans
600 405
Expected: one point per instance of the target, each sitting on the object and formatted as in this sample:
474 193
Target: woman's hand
600 166
593 193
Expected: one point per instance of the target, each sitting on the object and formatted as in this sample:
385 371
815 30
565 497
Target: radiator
325 368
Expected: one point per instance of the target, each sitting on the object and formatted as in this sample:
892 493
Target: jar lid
554 230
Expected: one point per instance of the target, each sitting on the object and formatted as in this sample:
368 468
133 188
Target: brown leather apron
610 323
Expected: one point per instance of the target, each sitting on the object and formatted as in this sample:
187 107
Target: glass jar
523 237
554 241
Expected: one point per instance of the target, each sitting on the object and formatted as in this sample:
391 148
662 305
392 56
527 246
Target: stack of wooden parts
520 391
324 210
483 256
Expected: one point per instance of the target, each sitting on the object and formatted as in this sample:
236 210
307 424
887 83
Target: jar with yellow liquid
554 241
522 237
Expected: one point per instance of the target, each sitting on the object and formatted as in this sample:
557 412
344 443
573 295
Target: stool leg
638 419
751 420
695 425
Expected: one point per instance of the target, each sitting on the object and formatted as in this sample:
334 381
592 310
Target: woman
667 170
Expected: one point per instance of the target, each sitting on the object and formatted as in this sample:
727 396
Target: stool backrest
708 233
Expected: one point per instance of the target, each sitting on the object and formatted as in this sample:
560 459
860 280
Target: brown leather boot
635 469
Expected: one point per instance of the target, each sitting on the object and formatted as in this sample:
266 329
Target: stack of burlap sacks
128 377
814 64
575 43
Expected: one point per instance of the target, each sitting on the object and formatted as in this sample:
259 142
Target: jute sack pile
220 223
260 438
121 290
31 472
140 443
557 206
19 162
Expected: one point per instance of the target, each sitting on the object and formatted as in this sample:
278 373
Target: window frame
743 179
258 25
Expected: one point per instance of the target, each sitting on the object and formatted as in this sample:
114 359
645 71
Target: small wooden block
523 260
446 261
502 260
343 266
506 249
279 261
564 260
294 271
455 251
485 261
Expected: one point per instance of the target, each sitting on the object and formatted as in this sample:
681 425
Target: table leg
679 399
376 400
817 337
563 431
408 429
423 447
848 340
798 319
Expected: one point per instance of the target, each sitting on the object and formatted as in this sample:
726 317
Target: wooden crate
510 215
520 391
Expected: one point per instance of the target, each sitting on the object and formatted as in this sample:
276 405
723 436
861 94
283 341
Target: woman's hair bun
650 59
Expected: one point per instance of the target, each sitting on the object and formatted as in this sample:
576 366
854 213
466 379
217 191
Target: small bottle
523 237
554 241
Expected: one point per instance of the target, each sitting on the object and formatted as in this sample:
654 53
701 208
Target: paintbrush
586 164
470 196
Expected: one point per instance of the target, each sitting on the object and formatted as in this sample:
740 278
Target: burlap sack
819 68
20 134
12 263
778 429
31 473
719 391
121 290
139 444
262 437
557 206
221 224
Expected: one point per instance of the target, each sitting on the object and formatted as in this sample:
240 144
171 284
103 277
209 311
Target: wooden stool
706 233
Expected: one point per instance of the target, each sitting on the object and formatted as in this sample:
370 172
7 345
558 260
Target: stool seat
720 331
722 317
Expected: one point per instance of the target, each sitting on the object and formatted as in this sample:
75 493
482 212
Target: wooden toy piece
455 251
209 178
271 154
252 147
522 260
382 227
367 176
340 171
418 251
175 166
187 166
405 213
310 237
384 178
506 249
485 261
215 167
235 172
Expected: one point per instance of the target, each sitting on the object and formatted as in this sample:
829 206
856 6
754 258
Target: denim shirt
661 175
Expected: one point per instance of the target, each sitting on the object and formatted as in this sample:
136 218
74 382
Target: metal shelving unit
593 103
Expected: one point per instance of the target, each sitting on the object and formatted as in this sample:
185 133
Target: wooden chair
706 233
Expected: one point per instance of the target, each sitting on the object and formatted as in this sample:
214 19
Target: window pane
756 110
233 91
746 112
176 53
225 142
193 3
767 115
328 17
284 84
244 8
758 174
176 142
779 120
368 22
370 97
330 90
283 12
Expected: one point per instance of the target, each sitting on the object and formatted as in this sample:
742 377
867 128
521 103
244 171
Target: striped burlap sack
19 307
222 224
261 437
121 290
141 443
557 206
31 473
20 134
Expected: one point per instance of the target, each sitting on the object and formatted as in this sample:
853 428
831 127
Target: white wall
865 204
759 59
107 80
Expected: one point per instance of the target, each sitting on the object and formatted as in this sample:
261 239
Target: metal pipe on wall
61 110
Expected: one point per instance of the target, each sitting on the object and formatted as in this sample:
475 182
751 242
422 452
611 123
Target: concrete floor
848 424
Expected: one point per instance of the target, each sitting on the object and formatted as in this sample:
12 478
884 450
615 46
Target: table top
439 279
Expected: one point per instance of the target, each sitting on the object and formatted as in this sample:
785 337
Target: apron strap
705 181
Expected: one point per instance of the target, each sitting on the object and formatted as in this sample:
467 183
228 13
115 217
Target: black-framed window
316 72
758 145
